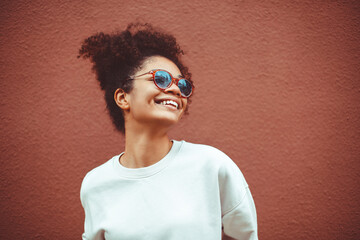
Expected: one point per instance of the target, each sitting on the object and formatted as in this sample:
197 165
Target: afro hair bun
115 57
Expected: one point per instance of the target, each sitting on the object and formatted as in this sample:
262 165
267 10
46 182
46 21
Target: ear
120 98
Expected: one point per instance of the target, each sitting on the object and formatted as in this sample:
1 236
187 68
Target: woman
157 188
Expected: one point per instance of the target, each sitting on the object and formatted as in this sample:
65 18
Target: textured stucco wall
277 89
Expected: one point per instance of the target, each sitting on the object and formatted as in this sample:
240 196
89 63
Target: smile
169 103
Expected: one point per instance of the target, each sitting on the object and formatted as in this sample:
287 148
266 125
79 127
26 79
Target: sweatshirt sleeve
241 222
83 199
238 209
84 237
93 215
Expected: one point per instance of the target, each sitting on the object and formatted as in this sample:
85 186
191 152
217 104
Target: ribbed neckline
136 173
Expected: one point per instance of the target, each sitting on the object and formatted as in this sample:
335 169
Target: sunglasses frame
173 80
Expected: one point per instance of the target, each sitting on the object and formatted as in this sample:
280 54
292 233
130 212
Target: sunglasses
163 80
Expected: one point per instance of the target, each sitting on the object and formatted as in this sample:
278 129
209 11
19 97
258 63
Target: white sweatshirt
191 193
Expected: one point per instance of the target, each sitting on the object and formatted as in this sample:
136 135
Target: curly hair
116 57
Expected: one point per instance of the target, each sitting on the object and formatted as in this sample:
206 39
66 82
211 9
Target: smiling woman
157 188
149 106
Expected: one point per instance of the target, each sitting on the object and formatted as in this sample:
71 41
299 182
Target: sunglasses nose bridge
173 87
176 81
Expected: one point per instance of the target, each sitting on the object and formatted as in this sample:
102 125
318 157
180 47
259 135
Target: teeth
169 102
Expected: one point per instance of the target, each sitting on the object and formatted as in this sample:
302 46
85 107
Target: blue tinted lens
162 79
185 87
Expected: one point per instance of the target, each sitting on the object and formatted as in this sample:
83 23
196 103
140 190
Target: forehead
159 62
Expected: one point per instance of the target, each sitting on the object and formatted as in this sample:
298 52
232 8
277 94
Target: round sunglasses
163 80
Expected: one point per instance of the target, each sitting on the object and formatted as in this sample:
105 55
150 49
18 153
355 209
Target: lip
157 100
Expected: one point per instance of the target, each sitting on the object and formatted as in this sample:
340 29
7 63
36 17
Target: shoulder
100 171
202 150
97 176
205 151
209 154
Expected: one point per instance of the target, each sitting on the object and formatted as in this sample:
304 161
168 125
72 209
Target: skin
146 121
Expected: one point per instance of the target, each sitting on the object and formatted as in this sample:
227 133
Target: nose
174 89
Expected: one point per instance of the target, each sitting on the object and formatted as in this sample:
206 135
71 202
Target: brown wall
277 89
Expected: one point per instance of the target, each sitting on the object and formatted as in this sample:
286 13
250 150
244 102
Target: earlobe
120 99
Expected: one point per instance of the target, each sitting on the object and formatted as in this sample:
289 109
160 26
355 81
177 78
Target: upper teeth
167 102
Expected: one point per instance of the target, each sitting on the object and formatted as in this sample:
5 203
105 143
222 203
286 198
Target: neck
144 147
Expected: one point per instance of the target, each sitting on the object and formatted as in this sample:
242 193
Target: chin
168 121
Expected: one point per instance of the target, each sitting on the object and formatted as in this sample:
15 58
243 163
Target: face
151 106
